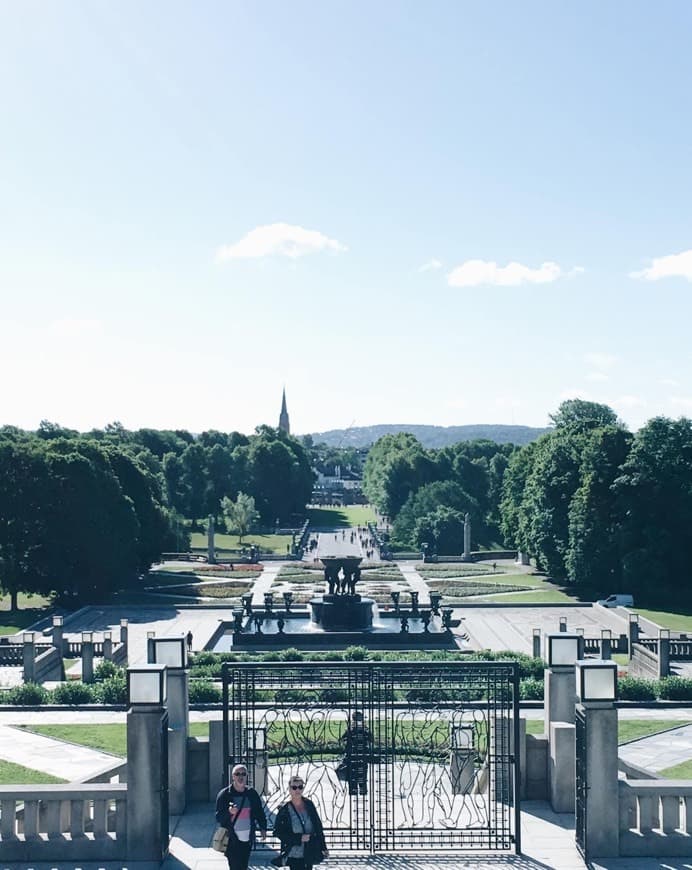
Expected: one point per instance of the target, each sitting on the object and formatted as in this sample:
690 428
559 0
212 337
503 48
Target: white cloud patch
628 402
575 393
285 240
431 266
597 377
669 382
475 272
672 266
683 403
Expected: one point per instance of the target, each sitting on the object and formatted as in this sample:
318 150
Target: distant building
284 424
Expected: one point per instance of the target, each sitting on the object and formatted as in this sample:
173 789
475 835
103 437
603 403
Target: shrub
333 696
105 669
28 695
203 692
355 654
272 657
292 655
531 689
73 693
112 690
675 689
636 689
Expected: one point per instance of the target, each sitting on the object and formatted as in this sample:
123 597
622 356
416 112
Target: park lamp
107 635
57 621
596 680
606 634
146 685
123 623
169 651
562 650
28 636
87 637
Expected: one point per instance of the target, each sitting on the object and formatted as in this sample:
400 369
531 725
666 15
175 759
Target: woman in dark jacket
239 809
299 828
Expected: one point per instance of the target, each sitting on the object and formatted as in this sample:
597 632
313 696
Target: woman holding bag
239 809
299 828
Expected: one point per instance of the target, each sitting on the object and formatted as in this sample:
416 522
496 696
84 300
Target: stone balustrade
63 822
655 817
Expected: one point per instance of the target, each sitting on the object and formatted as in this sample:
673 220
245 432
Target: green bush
355 654
74 693
292 655
274 656
636 689
28 695
333 696
203 692
112 690
531 689
105 669
675 689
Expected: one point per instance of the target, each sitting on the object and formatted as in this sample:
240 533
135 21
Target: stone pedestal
467 538
602 801
87 661
147 783
559 696
57 637
28 661
561 772
211 552
178 730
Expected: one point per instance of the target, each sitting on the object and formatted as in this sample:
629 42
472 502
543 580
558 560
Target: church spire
284 425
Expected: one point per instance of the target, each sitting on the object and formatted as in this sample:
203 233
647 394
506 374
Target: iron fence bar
517 761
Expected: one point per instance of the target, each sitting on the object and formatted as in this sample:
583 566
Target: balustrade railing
59 822
655 817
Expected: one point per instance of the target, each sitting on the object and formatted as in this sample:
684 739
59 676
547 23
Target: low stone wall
655 817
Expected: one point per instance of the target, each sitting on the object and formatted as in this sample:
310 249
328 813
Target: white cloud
669 382
475 272
597 377
672 266
575 393
286 240
600 360
507 402
431 265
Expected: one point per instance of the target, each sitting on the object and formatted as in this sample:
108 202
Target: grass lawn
675 620
628 729
107 737
16 774
267 543
548 595
353 515
31 609
678 771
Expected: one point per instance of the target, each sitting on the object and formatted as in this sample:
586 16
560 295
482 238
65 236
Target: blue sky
443 212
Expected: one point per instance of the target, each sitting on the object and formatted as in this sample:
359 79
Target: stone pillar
633 631
87 661
107 646
211 552
663 653
178 730
522 558
123 632
563 623
57 638
29 657
147 783
602 796
559 693
467 537
561 770
536 643
606 644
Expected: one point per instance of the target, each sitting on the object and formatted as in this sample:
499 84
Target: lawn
16 774
266 543
332 518
544 596
678 771
676 621
107 737
628 729
31 609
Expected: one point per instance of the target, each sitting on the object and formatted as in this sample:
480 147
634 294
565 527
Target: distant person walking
188 637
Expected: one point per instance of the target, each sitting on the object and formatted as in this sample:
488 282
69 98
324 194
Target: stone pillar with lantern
172 652
597 801
57 636
562 651
147 763
29 656
87 657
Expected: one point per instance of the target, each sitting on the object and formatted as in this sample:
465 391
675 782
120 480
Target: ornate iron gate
397 756
581 782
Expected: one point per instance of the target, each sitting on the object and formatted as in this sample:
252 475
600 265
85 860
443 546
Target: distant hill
429 436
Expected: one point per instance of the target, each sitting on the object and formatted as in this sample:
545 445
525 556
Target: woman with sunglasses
239 809
299 828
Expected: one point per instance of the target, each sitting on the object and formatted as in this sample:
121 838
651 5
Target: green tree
443 530
241 514
578 414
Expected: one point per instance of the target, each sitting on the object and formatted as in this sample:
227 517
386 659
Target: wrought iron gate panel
429 760
581 782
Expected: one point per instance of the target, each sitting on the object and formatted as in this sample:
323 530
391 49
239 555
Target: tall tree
241 515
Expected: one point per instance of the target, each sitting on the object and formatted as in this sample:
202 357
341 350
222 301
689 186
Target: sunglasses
297 787
240 773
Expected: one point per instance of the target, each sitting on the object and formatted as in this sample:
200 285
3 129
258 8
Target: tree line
82 515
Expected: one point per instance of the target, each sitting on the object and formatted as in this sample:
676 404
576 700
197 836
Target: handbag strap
297 815
242 804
